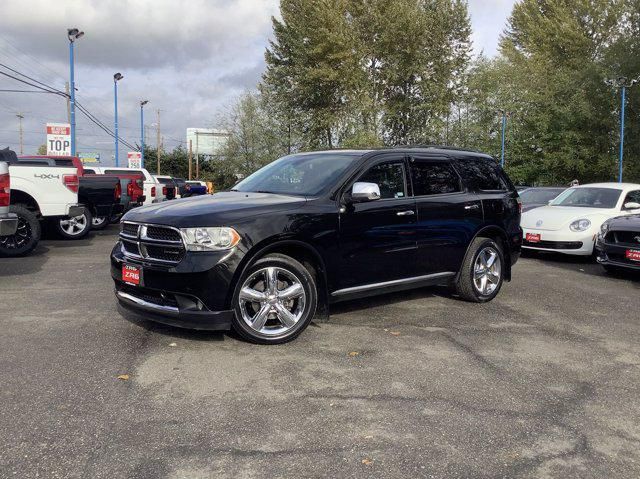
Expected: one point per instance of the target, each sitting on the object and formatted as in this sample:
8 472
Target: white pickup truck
38 192
8 221
153 191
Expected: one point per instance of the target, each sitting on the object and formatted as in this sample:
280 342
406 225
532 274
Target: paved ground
542 382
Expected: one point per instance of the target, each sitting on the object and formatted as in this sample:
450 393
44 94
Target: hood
219 209
625 223
554 218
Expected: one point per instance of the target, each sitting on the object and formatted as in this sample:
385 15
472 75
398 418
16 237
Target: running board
395 285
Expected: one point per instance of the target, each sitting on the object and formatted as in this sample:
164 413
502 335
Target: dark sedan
618 244
535 197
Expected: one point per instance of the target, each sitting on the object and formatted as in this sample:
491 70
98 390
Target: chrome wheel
75 225
272 301
487 271
99 221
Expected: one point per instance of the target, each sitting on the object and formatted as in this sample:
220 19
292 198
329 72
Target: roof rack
441 147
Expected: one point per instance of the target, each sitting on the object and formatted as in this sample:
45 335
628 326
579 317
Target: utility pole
197 157
73 34
142 104
623 83
116 78
158 139
190 156
66 90
20 117
505 114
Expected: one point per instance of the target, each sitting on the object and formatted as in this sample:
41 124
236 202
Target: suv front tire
274 300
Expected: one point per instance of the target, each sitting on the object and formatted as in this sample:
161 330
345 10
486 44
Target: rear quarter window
480 174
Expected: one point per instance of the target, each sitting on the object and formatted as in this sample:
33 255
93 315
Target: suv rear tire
26 238
482 272
274 300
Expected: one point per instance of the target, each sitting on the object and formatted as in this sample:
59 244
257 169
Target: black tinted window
389 177
434 178
632 197
122 172
89 171
481 174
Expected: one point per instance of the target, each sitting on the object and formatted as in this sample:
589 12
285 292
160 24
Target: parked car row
600 220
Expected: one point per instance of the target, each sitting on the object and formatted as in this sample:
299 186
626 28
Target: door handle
472 207
406 213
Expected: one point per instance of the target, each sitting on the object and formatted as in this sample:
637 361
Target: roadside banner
58 139
89 157
135 159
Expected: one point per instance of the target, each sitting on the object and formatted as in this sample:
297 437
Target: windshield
588 197
300 175
539 196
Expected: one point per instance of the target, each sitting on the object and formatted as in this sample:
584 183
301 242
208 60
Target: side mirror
362 192
632 205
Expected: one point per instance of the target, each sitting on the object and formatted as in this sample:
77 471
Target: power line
32 79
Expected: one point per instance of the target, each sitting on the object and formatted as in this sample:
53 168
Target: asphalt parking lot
542 382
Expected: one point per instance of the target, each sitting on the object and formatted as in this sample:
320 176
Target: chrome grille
153 243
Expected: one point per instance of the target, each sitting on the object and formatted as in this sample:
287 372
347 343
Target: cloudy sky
188 58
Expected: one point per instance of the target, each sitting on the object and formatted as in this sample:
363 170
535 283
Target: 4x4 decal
47 176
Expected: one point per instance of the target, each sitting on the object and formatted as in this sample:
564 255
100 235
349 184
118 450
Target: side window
89 171
632 197
434 178
481 174
389 177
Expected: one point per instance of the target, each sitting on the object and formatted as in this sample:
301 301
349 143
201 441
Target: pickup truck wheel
482 272
274 301
99 222
26 237
76 227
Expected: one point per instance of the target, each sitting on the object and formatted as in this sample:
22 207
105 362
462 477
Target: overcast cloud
188 58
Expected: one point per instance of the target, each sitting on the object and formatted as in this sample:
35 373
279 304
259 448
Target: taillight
117 193
519 205
164 191
71 182
130 189
153 191
5 189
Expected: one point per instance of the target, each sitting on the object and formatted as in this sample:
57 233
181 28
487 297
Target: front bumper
194 293
580 244
8 224
615 255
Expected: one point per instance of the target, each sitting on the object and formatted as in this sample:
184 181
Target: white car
572 221
152 187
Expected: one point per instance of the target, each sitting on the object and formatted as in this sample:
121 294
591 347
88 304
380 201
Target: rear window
434 178
123 172
165 181
90 171
482 174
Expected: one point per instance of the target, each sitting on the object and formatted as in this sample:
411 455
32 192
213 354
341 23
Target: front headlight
580 225
209 239
604 228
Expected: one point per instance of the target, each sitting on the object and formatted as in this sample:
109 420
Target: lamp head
117 77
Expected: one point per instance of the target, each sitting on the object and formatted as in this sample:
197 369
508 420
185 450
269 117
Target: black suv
311 229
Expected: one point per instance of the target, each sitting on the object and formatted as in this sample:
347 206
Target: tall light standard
142 104
73 34
623 83
117 77
505 114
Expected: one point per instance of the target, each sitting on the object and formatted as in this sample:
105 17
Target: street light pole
73 34
116 77
504 130
142 104
623 83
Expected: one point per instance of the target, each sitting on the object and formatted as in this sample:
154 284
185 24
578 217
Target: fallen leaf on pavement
173 345
353 354
395 333
367 461
124 377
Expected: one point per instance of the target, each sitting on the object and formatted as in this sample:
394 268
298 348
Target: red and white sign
134 159
632 254
533 238
131 274
58 139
